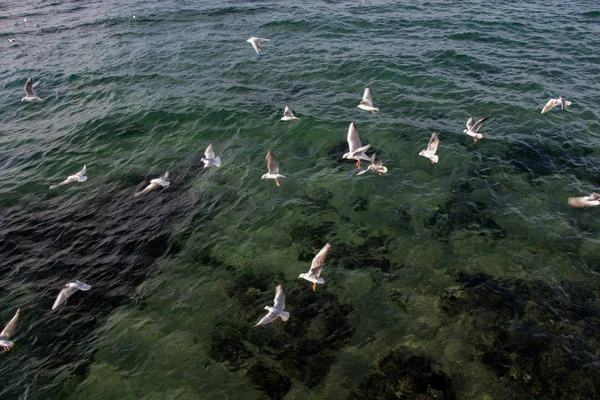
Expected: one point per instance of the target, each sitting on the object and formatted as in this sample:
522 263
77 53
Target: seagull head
265 176
347 155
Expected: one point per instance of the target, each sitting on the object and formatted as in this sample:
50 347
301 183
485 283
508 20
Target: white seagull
432 147
473 128
68 290
592 200
276 310
561 101
367 102
376 165
210 159
288 115
318 263
8 331
255 42
78 177
357 151
272 168
30 92
154 183
11 40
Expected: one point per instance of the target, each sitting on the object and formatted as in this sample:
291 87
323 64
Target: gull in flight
154 183
288 115
432 147
209 158
8 331
367 102
357 151
318 263
561 101
78 177
255 42
276 310
68 291
376 165
30 93
273 168
11 40
586 201
473 128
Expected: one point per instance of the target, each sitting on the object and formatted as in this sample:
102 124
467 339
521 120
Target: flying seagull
11 40
357 151
586 201
561 101
367 102
8 331
276 310
376 165
288 115
68 290
154 183
273 168
432 147
318 263
473 128
255 42
78 177
30 93
209 158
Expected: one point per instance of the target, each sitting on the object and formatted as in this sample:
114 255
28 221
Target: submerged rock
372 253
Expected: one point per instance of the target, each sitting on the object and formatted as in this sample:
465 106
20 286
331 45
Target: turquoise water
470 278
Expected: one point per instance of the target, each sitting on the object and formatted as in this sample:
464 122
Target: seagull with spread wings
30 91
473 128
78 177
209 157
273 168
318 263
276 310
255 42
376 166
367 102
288 115
357 150
592 200
561 101
69 289
154 183
432 147
8 330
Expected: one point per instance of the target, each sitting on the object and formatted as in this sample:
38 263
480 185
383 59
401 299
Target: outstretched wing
479 124
470 123
353 139
288 112
319 261
148 188
270 317
64 294
10 327
434 142
30 88
272 164
367 99
82 172
550 105
209 152
279 301
376 161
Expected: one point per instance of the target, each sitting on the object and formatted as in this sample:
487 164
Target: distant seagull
255 42
564 104
69 289
154 183
272 168
473 128
318 263
30 93
24 19
288 115
7 332
134 17
432 147
367 102
357 150
209 158
276 310
11 40
376 165
586 201
78 177
35 25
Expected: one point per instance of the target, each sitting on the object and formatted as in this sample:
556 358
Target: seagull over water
357 150
288 115
7 332
432 147
376 165
154 183
78 177
473 128
367 102
255 42
276 310
11 40
69 289
210 159
273 168
30 92
592 200
318 263
561 101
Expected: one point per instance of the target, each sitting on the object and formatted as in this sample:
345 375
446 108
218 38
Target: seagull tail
284 316
217 161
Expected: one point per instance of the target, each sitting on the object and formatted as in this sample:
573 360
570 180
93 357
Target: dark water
470 278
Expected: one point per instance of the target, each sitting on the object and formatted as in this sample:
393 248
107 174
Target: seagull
68 290
11 40
288 115
273 168
357 151
564 104
255 42
154 183
209 158
376 165
78 177
432 147
367 102
8 331
314 273
24 19
586 201
276 310
473 128
30 94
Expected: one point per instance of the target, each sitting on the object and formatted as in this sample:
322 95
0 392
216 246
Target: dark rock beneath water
268 379
371 254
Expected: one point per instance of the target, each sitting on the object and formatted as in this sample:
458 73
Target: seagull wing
270 317
70 179
434 142
479 124
29 88
550 105
376 161
579 202
353 139
148 188
367 99
272 164
82 172
470 123
64 294
288 112
319 261
209 152
279 300
256 44
10 327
